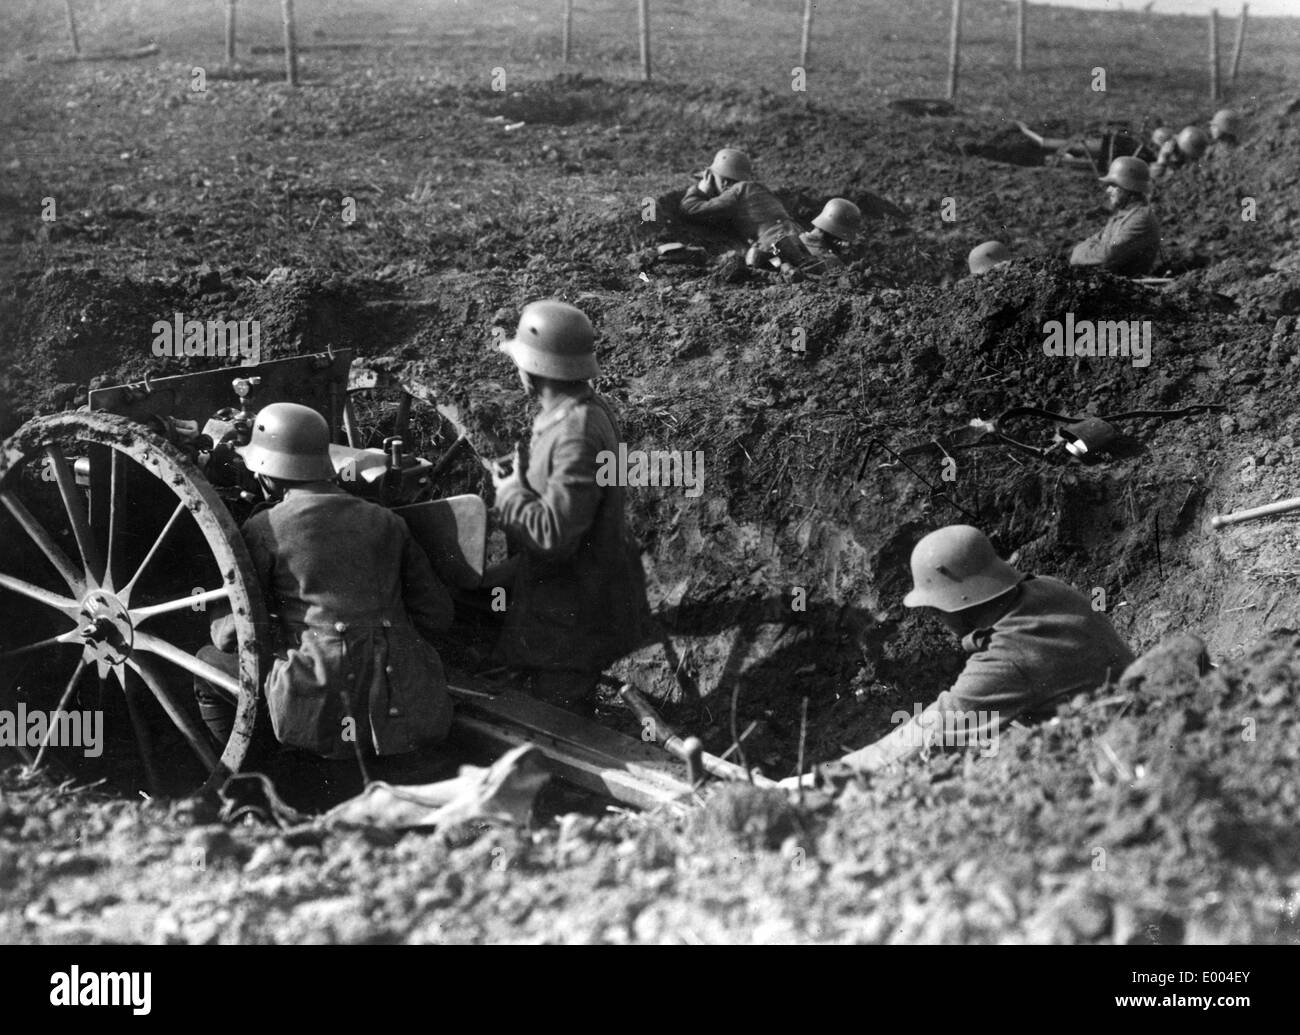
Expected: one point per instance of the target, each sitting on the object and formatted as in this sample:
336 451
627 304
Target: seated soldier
1129 243
355 599
1033 641
727 196
834 230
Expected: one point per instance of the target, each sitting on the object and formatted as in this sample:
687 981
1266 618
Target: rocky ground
1161 810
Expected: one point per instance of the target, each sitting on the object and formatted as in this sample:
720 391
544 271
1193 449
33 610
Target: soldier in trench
1032 641
729 197
1129 243
577 598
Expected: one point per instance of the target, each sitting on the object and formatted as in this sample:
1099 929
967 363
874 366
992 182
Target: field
1144 815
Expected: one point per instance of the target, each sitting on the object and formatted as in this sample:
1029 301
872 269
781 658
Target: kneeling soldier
355 597
1032 641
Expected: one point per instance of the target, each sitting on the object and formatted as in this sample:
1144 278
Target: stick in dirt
72 27
568 30
644 17
807 34
1020 35
954 49
230 32
1214 53
290 44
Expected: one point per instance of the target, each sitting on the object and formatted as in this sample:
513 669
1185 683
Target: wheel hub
106 628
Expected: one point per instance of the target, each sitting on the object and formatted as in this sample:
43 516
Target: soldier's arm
1088 253
551 524
698 205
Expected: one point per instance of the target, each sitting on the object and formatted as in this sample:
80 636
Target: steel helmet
554 340
956 568
1129 173
984 257
1161 134
1225 121
840 218
732 164
1192 141
290 442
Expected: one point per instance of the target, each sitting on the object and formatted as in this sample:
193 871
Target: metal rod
1237 516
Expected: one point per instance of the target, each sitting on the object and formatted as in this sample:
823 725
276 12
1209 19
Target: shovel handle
1237 516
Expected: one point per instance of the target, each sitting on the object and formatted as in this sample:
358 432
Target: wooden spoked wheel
115 556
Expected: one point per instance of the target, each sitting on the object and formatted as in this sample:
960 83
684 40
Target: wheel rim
113 547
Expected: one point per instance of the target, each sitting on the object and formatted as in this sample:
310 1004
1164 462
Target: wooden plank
579 750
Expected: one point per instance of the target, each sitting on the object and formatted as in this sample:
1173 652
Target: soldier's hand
705 186
509 472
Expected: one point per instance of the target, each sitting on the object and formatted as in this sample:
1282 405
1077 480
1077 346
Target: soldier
1189 146
578 598
985 256
834 230
1129 243
1225 129
1033 641
1092 150
356 601
728 196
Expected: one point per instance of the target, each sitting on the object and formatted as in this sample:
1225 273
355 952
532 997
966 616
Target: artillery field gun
119 537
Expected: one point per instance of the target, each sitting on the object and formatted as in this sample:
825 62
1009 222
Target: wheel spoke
62 705
143 741
114 467
125 595
71 636
221 681
139 614
76 582
67 483
43 596
197 738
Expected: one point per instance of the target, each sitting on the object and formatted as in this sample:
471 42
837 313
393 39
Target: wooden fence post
807 34
1241 39
1020 35
72 27
568 29
230 32
954 47
1214 53
290 44
645 39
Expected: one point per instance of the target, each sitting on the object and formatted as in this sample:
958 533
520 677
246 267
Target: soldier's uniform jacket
350 588
578 599
1128 245
748 208
1049 646
827 259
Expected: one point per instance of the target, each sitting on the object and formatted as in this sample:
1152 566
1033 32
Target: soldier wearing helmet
729 197
578 598
1129 243
1225 127
985 256
1189 146
834 231
1032 641
355 599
